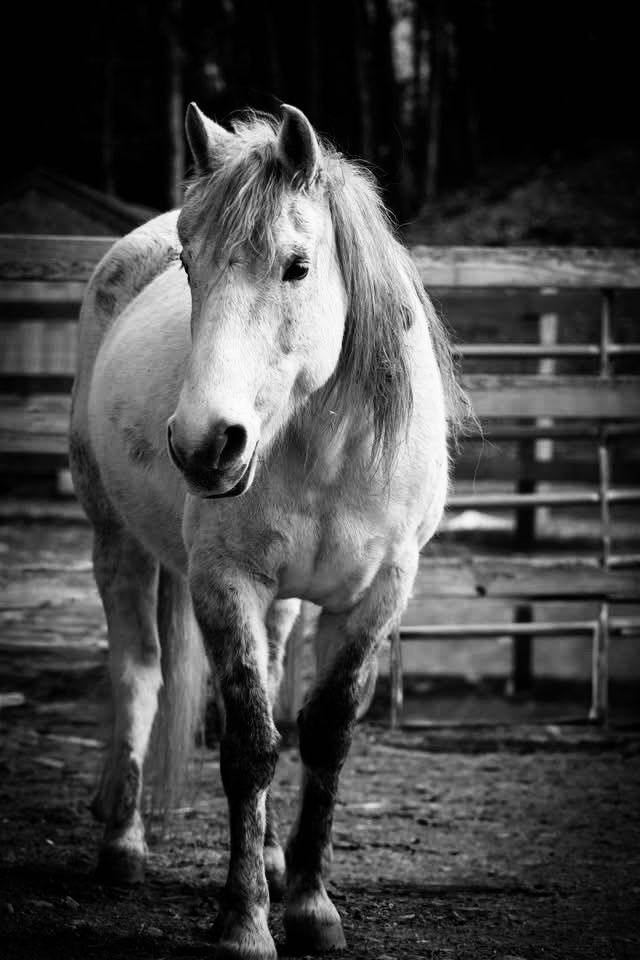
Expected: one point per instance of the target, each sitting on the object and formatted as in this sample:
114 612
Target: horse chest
331 557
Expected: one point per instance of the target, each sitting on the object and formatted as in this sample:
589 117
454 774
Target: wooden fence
573 388
600 407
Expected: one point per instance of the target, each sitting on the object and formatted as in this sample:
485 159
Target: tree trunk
363 74
470 40
107 141
315 68
418 107
438 58
273 55
387 136
175 105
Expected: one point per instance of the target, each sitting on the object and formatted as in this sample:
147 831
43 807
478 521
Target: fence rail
42 280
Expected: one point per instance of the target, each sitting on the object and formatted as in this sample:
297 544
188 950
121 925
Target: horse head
268 297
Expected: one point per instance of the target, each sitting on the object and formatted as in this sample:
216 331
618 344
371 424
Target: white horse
259 417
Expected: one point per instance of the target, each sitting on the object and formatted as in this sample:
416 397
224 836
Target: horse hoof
228 950
276 872
245 939
312 925
120 866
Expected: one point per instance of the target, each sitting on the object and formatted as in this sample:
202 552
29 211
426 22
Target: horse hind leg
127 579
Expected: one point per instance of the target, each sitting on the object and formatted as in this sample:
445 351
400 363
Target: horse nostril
173 452
223 448
234 446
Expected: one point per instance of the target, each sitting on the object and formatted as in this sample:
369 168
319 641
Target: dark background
455 103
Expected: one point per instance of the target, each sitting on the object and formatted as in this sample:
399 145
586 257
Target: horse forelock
238 205
238 202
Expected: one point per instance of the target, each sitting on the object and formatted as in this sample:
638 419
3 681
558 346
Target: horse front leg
326 724
231 614
281 618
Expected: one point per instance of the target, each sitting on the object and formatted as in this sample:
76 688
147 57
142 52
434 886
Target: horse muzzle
208 472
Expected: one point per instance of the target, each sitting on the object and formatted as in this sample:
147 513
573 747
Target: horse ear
298 150
205 138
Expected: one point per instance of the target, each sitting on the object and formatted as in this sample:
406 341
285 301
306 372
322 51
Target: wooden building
45 202
39 339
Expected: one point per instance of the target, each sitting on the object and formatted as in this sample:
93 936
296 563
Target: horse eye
297 270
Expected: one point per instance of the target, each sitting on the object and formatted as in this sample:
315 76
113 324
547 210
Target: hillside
590 201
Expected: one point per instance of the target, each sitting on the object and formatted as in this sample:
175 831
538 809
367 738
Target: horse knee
248 760
325 726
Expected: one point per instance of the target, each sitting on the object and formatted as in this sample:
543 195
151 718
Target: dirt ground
466 845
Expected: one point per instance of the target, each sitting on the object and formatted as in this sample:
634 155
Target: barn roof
43 201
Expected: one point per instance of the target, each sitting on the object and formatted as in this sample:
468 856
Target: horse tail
185 673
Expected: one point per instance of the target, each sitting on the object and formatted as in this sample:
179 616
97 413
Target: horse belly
132 394
148 503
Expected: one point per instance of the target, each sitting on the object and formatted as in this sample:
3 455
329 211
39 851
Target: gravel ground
465 844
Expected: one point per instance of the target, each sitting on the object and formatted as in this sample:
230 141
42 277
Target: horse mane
239 201
383 289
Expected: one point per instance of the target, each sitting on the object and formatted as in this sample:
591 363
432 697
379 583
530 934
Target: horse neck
327 433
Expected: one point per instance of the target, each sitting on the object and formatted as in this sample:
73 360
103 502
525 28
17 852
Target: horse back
124 271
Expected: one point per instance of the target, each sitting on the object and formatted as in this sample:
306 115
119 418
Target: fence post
395 679
530 453
548 337
599 712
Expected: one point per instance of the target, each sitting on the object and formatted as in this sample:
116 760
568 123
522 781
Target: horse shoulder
127 268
